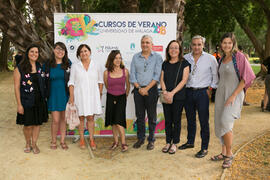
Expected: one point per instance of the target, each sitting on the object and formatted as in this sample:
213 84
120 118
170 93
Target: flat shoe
27 149
227 163
53 146
36 150
166 148
114 145
64 146
124 147
172 149
201 153
186 146
218 157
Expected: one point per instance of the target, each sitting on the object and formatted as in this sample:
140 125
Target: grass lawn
256 69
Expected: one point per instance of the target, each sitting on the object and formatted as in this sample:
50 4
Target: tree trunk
172 6
77 6
129 6
5 44
21 32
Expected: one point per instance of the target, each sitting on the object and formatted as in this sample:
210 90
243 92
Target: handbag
162 98
71 116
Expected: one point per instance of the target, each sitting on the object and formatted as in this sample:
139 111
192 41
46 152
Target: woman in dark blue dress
30 89
57 69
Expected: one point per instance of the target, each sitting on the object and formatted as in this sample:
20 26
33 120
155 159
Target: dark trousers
213 95
197 100
148 104
173 113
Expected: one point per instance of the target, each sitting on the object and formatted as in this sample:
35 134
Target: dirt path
135 164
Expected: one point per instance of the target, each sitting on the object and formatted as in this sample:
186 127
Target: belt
195 89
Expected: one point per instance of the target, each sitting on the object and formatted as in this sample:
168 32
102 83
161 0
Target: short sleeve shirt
170 74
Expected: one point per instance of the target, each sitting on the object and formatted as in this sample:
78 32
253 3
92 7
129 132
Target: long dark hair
65 63
25 65
109 64
180 56
80 48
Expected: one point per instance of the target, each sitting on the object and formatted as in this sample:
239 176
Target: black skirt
37 114
115 110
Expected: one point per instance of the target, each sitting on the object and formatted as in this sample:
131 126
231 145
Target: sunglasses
194 69
145 66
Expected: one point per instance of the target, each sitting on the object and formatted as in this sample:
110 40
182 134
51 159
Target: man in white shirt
202 76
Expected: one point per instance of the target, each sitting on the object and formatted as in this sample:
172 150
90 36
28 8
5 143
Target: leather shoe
138 144
186 146
201 153
150 146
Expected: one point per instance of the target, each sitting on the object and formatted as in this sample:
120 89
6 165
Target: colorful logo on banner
160 30
77 27
131 127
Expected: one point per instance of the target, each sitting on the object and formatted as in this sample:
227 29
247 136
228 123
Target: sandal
53 145
166 148
124 147
27 149
218 157
93 145
114 145
82 144
64 146
172 149
35 149
227 163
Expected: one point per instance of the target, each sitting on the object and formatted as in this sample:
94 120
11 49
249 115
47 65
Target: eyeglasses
59 49
194 69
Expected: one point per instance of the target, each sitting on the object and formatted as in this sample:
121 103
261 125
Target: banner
104 32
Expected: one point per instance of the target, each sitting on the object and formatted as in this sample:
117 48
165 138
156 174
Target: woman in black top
29 85
173 90
265 104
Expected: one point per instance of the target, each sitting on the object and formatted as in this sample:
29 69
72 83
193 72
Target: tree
167 6
5 44
212 18
22 31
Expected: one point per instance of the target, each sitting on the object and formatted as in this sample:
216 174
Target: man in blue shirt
203 75
145 72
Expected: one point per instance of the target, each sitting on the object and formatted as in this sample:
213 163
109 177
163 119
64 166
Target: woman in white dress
85 86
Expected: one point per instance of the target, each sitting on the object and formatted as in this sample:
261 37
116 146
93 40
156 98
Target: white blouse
86 89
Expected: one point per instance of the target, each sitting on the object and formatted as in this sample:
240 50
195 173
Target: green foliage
256 69
212 18
145 5
208 18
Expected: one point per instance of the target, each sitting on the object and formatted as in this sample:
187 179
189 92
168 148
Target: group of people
186 83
